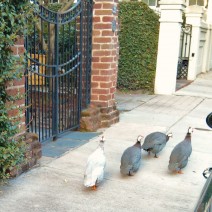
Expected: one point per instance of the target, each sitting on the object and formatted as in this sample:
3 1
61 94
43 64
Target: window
150 2
198 2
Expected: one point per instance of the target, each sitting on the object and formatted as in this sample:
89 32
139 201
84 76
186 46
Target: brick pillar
105 60
16 88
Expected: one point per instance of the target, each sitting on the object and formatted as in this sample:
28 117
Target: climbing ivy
138 38
13 17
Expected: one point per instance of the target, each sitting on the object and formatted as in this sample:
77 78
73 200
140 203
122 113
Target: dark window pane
152 2
200 2
192 2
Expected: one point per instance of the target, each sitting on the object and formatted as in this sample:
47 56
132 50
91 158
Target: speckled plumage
131 159
180 154
155 142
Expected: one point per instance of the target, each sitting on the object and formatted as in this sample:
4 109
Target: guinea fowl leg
94 188
155 156
180 172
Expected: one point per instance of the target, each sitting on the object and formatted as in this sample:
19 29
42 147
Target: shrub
138 38
13 17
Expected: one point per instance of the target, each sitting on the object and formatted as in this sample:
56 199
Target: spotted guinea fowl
131 158
180 154
155 142
94 172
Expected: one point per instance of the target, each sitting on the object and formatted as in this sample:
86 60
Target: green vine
13 16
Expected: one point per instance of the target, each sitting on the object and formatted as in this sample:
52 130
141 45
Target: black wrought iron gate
58 69
183 62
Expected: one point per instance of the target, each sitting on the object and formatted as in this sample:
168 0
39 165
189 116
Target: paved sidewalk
57 184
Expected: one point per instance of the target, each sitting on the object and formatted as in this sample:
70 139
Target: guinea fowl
131 158
155 142
94 172
180 154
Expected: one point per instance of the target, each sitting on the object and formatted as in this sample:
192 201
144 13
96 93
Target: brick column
105 60
16 88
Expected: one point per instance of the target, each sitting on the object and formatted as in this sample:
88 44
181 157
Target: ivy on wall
138 40
13 16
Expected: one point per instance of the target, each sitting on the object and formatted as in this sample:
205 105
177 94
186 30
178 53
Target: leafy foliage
138 38
13 18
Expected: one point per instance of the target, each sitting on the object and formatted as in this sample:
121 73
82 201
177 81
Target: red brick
96 19
96 46
101 53
14 49
100 91
19 41
108 19
113 65
113 52
95 72
105 84
102 26
107 46
19 81
95 59
102 12
13 113
107 33
108 5
105 97
12 92
21 50
100 65
106 59
112 90
100 78
97 6
21 90
94 97
94 85
19 102
96 33
102 40
106 72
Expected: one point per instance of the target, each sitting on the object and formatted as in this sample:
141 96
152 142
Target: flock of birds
131 157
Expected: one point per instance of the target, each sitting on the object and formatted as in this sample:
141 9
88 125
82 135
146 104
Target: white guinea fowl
94 171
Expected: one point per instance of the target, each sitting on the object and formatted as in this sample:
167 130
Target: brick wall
105 59
16 88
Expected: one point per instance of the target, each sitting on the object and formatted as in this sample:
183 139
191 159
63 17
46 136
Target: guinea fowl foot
180 172
94 188
155 156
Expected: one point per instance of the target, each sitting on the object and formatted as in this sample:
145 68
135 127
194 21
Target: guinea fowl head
138 143
139 138
188 135
101 142
169 135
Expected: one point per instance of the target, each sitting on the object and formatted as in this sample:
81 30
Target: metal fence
58 52
183 62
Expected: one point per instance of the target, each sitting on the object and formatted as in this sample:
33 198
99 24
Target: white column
209 21
194 16
209 12
168 45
